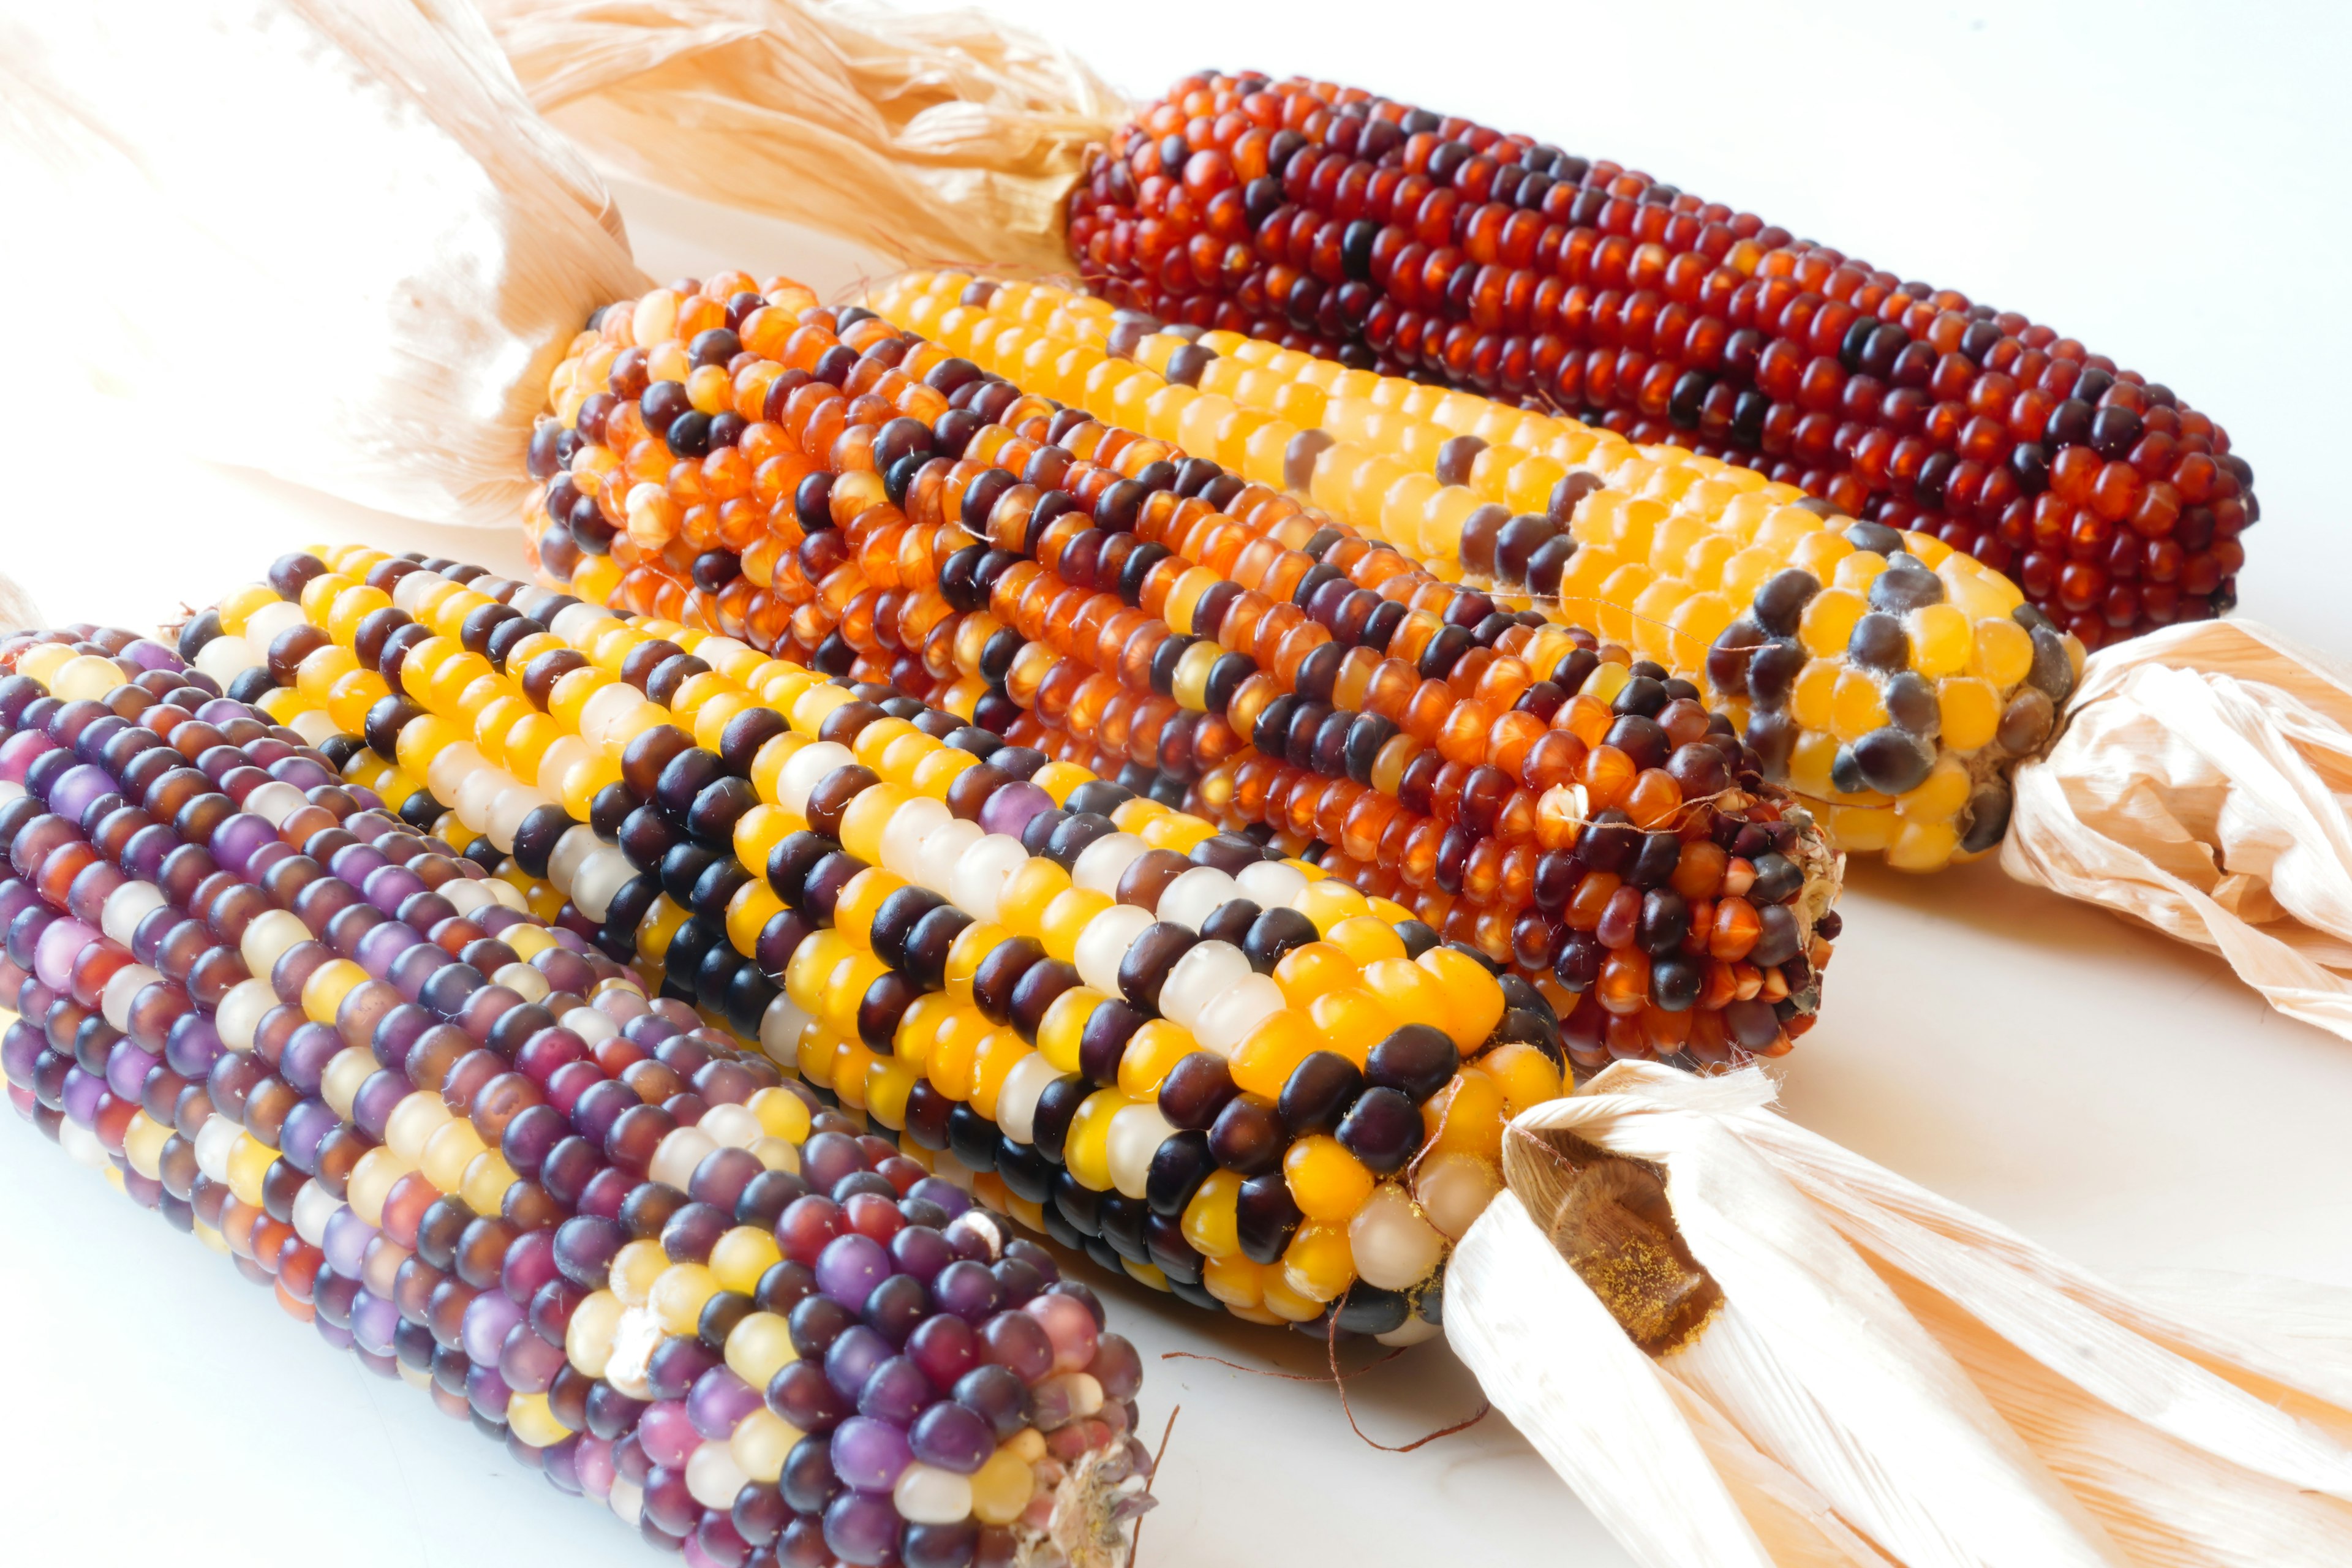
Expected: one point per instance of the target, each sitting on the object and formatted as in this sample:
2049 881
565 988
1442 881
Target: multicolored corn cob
464 1144
1201 1066
1903 679
1501 822
1349 227
940 1041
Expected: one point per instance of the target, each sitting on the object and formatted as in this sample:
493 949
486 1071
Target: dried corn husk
1888 1377
327 238
2201 787
937 136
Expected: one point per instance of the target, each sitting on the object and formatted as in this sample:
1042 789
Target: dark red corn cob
1381 234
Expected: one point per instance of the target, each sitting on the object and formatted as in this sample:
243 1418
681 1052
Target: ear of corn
394 1084
1347 226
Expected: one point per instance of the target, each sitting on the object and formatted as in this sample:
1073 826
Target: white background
2164 182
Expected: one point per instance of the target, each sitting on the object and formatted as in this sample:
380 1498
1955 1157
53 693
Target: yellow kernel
781 1113
532 1422
1351 1021
1282 1302
1618 593
1940 641
1941 795
323 992
634 1270
743 1255
1744 570
486 1180
1861 829
1061 1032
1413 994
1828 621
1474 1001
1151 1053
1652 617
1923 846
1784 527
449 1149
975 942
2002 654
1856 706
1058 779
1210 1223
1703 566
1930 551
1330 903
1066 919
862 823
1697 621
1981 595
1969 711
1320 1263
1236 1281
1859 570
1465 1118
1309 971
1819 552
1325 1181
249 1166
234 610
679 1293
759 1346
1027 892
761 1444
1526 1076
1263 1062
1001 1488
1812 699
1087 1150
861 896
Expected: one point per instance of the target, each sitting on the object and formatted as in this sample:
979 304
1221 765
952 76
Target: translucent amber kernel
1309 971
1362 937
1318 1265
1408 992
1969 711
1860 570
1812 699
2003 652
1863 830
1325 1181
1474 1001
1351 1021
1922 845
1856 705
1810 763
1941 640
1942 796
1465 1118
1827 624
1209 1220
